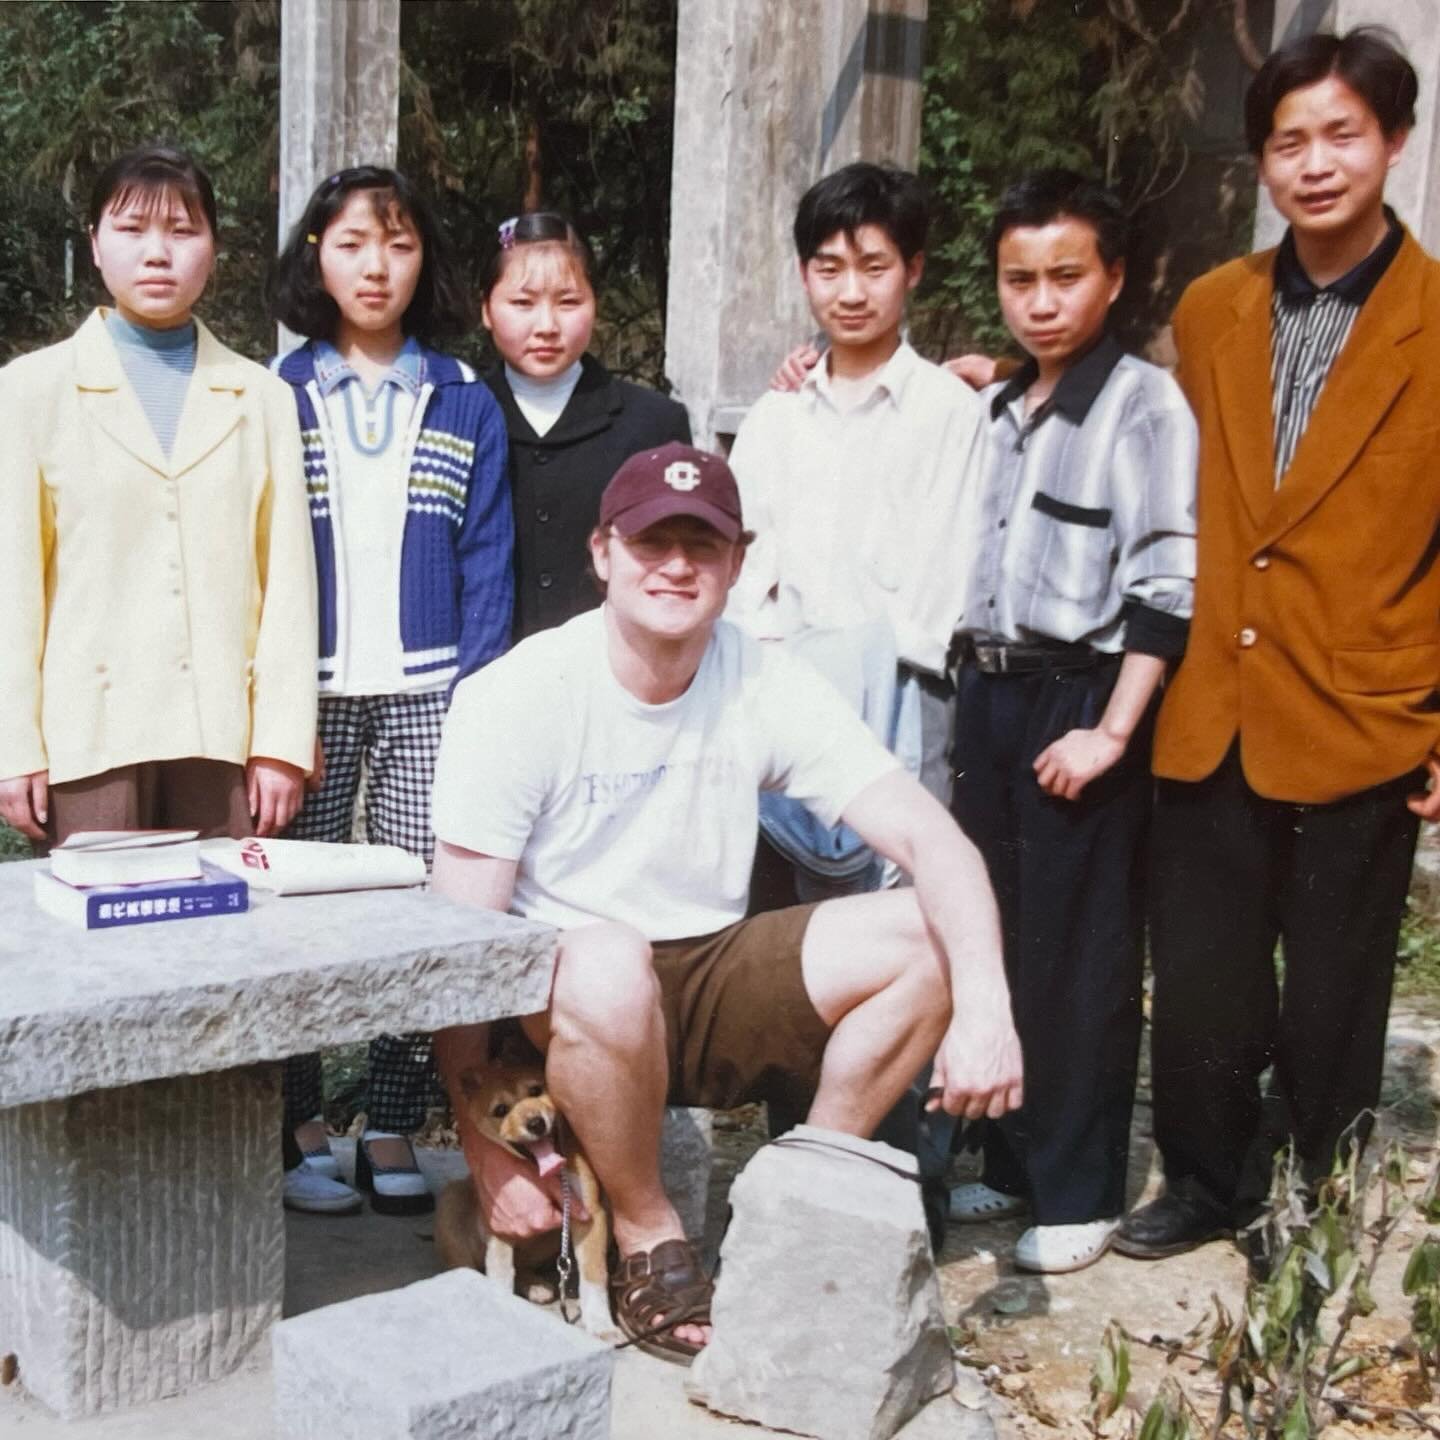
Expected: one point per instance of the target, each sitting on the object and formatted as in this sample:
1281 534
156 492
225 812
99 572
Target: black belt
1001 657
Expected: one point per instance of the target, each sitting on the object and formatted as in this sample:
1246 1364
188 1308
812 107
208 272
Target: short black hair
441 308
1043 196
863 194
148 173
536 227
1368 60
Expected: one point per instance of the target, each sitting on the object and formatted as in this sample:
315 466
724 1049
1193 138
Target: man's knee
922 968
605 985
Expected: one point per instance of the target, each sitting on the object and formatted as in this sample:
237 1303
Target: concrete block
142 1245
687 1148
88 1011
450 1358
827 1312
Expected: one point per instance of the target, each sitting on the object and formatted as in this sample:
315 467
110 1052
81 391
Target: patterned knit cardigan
456 577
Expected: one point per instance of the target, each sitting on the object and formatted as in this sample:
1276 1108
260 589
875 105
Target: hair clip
506 233
312 239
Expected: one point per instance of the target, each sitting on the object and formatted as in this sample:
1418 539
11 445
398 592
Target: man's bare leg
874 974
606 1066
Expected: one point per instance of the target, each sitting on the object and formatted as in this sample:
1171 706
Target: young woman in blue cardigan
406 468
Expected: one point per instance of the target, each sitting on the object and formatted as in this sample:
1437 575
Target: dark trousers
1233 874
1066 874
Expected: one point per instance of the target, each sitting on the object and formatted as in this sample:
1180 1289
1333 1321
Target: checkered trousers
394 738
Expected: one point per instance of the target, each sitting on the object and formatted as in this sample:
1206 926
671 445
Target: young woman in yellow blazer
157 590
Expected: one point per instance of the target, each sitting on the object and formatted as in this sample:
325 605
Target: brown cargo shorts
739 1026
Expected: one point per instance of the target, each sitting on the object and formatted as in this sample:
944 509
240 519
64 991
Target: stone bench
141 1230
444 1359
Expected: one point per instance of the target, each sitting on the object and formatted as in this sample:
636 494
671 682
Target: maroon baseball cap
674 480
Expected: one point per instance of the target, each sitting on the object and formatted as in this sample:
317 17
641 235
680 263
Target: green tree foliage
1002 95
79 84
509 105
1110 88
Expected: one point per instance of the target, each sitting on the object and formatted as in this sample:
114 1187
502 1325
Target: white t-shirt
646 814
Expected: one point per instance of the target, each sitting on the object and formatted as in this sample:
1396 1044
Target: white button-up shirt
861 511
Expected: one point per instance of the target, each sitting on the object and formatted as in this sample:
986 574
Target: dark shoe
654 1291
1170 1225
394 1189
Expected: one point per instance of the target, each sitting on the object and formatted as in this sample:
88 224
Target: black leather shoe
1170 1225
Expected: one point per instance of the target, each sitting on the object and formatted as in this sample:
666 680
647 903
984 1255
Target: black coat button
542 514
542 457
546 580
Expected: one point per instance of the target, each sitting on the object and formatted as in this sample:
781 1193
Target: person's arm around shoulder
486 543
26 537
283 701
978 1069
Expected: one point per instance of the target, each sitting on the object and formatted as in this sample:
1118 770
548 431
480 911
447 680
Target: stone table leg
142 1242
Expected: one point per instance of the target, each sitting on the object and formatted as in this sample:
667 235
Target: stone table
141 1237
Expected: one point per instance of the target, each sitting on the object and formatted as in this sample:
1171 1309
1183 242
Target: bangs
158 194
545 264
392 213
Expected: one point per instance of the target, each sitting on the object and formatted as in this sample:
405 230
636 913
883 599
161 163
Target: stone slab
142 1243
88 1010
448 1358
827 1310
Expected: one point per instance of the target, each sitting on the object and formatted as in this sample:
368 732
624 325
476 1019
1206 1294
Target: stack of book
99 879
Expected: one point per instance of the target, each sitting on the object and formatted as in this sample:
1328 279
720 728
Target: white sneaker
1058 1249
972 1203
316 1194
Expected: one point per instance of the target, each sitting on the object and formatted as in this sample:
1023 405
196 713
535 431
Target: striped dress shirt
1087 513
1309 325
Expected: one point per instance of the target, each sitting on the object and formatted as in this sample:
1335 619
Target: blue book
103 907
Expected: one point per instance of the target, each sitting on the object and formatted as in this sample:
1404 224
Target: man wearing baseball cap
603 777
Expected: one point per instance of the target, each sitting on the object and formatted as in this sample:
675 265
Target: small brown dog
509 1104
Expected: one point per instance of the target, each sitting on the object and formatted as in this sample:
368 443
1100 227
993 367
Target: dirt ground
1034 1338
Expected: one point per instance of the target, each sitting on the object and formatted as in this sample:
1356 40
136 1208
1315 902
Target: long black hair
441 308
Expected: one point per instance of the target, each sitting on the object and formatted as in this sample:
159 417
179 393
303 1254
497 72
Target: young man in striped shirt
1295 744
1078 599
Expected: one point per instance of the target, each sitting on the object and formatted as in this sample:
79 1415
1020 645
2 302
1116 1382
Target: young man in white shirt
856 482
603 777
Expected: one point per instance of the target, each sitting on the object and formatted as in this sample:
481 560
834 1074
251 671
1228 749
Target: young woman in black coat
570 422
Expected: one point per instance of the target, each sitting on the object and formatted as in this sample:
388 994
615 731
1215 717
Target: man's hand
24 803
977 371
516 1204
1067 765
274 790
978 1072
1426 804
794 368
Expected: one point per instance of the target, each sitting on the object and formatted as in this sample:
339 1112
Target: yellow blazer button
1247 638
1262 562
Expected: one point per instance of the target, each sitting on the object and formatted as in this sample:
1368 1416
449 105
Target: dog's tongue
547 1157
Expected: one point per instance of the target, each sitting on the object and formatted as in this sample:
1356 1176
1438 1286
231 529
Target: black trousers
1233 874
1067 875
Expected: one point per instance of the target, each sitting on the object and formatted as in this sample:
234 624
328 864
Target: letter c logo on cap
682 475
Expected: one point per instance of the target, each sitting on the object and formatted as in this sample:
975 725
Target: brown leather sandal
653 1292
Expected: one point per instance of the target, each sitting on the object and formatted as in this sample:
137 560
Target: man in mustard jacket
1295 745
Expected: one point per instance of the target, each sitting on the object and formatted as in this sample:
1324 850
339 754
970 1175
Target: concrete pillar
767 99
1414 185
339 92
142 1243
